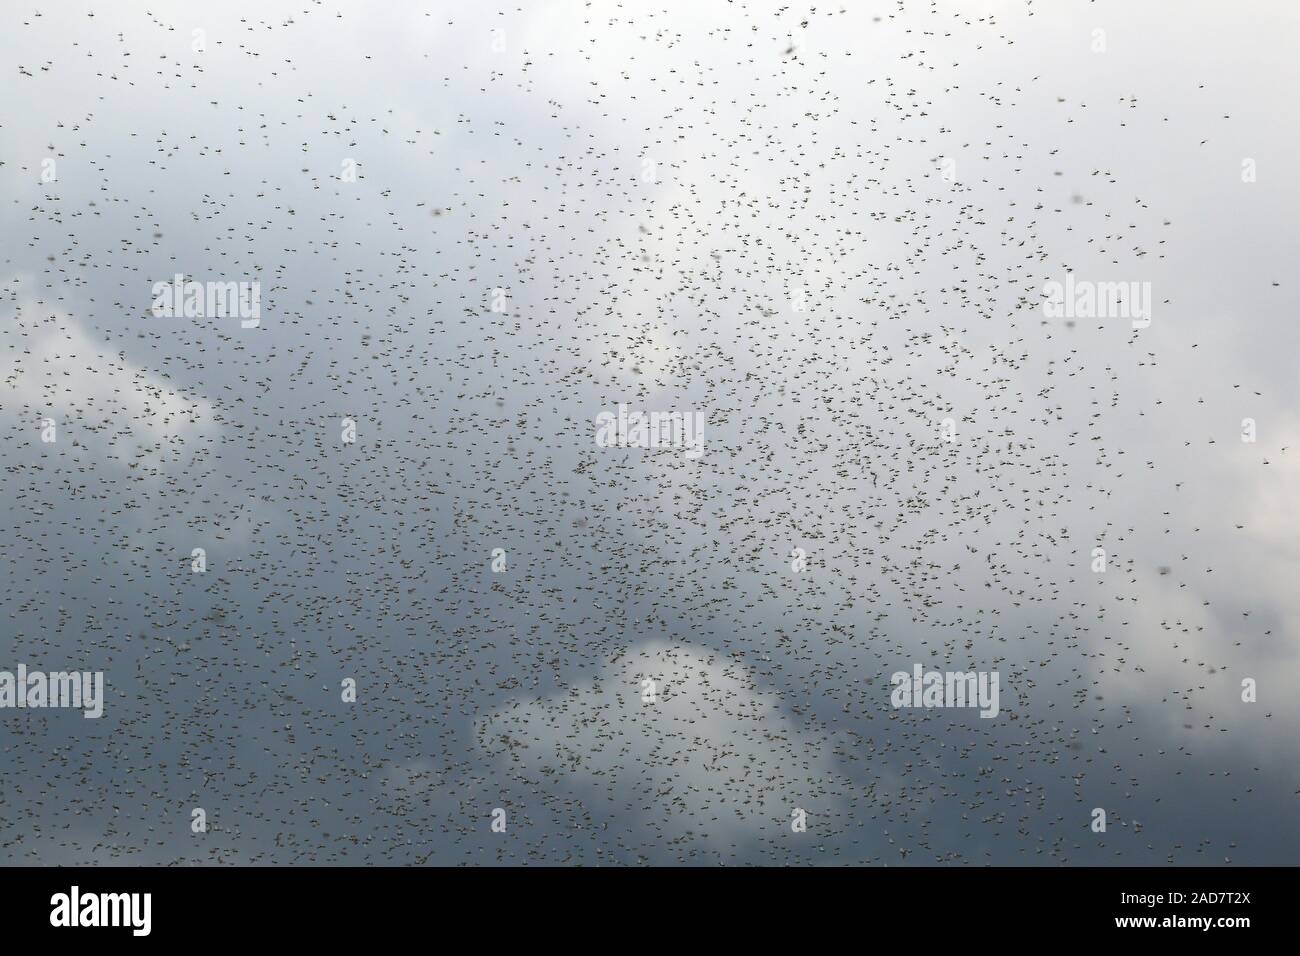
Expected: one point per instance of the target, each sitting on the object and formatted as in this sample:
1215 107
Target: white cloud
713 755
51 368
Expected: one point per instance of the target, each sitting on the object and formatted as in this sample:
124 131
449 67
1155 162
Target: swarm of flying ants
461 631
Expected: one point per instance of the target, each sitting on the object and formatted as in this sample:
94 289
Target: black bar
339 905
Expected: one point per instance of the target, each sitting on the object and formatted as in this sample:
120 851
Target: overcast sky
647 184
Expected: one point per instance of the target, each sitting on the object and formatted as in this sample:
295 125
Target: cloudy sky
476 228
